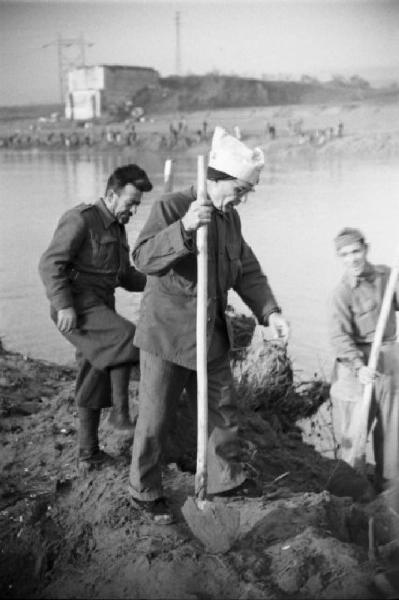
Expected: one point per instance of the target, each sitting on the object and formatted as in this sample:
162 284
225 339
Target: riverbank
64 536
284 132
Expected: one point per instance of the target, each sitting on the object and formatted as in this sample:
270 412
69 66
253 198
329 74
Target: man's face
123 204
354 257
227 193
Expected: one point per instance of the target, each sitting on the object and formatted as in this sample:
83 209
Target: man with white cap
166 332
355 308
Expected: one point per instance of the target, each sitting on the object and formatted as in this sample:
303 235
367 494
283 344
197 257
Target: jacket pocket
176 284
366 315
105 252
181 278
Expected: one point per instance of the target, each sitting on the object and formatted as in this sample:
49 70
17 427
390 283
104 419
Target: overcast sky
247 37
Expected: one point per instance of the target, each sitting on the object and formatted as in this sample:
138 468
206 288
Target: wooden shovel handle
359 447
202 373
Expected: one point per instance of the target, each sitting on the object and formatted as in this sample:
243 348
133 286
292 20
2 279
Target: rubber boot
119 416
90 456
89 420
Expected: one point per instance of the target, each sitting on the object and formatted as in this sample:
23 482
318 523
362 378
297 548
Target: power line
20 55
71 53
178 59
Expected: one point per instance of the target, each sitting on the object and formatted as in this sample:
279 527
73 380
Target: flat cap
347 236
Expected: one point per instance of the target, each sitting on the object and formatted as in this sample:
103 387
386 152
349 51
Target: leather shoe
157 510
94 461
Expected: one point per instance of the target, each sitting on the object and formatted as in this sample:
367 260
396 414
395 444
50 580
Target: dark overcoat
168 256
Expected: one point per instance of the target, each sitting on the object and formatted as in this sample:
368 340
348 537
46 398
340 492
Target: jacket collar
105 215
368 274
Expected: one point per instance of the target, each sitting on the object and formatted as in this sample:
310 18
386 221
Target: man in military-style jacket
166 332
355 307
86 260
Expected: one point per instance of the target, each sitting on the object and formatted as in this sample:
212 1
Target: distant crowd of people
113 135
316 136
79 136
178 135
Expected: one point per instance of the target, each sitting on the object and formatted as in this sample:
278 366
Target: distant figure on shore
174 133
109 135
86 260
355 308
237 132
271 130
340 129
182 125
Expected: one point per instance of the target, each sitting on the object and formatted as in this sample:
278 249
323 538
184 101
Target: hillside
213 91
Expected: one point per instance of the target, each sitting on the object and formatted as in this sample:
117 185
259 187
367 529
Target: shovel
349 478
215 525
357 458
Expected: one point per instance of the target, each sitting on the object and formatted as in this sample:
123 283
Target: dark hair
128 174
215 175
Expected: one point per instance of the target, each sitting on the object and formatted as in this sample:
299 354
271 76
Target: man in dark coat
86 260
166 332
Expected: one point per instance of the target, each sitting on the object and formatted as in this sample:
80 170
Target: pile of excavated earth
315 533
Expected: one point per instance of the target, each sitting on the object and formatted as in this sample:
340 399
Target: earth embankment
64 535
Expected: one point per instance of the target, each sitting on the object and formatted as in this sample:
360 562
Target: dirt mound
65 536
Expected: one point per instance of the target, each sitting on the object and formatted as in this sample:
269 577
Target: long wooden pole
357 458
202 373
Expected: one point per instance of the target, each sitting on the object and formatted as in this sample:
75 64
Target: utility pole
178 62
71 53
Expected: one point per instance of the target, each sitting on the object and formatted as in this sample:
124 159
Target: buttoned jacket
87 259
355 308
168 256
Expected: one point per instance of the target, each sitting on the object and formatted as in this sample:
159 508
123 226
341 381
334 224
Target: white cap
234 158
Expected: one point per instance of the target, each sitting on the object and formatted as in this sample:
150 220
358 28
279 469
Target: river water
289 222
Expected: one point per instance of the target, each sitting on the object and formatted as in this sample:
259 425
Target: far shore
348 130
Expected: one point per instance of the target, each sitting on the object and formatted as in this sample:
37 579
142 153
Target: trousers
346 393
161 384
103 339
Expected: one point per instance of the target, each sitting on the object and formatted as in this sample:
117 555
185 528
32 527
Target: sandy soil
64 535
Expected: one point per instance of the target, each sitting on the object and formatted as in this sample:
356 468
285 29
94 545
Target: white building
92 91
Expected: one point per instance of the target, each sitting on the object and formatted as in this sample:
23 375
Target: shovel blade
217 526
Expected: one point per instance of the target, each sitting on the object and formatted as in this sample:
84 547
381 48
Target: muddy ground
64 535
